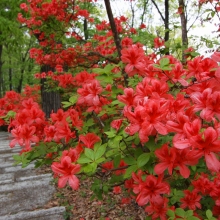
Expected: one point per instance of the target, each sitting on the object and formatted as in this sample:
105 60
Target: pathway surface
23 192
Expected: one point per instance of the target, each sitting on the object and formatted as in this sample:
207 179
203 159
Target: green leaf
88 168
130 160
89 123
113 144
209 214
111 152
90 153
66 104
94 167
83 159
100 152
192 218
117 139
189 213
110 134
23 159
164 62
11 114
143 159
130 170
116 102
98 145
105 79
193 168
100 160
73 99
180 212
171 213
105 188
117 160
166 68
98 70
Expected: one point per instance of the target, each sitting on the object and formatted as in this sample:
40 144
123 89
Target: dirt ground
79 205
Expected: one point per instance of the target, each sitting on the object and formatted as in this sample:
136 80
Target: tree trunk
85 27
144 11
184 29
51 101
10 73
1 73
19 88
113 26
116 36
166 24
165 19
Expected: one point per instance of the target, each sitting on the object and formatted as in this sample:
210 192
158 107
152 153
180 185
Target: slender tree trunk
166 24
165 19
10 73
132 15
184 29
50 99
116 35
85 27
1 73
20 83
144 11
113 26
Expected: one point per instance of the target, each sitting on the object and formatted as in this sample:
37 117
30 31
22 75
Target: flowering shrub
158 137
156 133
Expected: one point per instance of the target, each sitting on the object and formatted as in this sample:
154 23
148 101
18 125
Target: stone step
17 169
11 177
55 213
23 192
25 195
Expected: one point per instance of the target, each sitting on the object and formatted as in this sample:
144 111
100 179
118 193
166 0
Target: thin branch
113 26
155 4
144 11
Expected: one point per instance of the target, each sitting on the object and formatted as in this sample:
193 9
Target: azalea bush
141 123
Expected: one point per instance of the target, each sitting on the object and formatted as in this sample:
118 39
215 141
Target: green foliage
175 196
72 101
209 215
179 214
10 115
164 64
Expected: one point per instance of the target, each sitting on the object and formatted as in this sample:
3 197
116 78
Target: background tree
15 43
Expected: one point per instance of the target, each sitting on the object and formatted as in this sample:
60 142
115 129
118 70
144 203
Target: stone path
22 191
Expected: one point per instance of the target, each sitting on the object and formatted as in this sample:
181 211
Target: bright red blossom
191 200
134 57
24 136
89 139
171 158
149 190
65 171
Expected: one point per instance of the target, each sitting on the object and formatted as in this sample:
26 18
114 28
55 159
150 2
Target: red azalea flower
158 209
117 190
89 139
158 42
191 200
134 57
116 124
65 170
149 190
171 158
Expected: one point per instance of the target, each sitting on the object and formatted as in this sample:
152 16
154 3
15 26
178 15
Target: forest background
17 68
